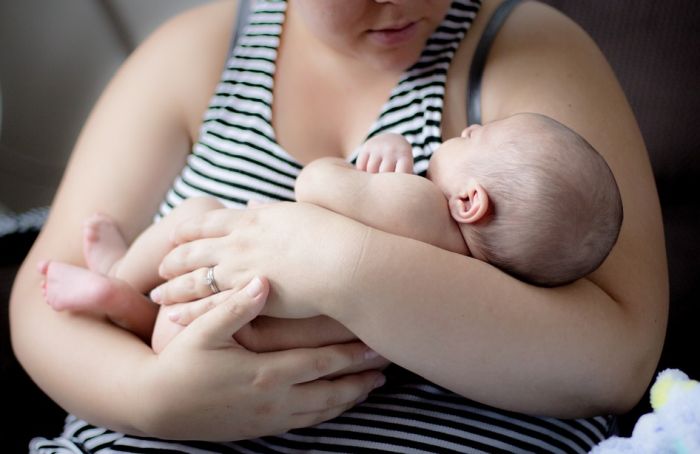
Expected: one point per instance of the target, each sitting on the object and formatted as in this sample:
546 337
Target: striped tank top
237 159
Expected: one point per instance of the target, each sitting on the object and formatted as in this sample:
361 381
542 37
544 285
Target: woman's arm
137 130
590 347
587 348
134 143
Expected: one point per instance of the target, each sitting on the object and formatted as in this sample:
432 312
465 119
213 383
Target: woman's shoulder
534 39
539 54
537 28
190 51
215 18
197 34
528 19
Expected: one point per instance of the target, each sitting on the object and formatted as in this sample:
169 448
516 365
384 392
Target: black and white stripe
237 158
413 417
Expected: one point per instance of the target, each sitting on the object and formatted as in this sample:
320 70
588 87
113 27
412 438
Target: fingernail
155 295
371 354
174 315
254 287
380 381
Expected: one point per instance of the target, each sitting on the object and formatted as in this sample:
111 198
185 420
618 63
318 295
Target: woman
589 348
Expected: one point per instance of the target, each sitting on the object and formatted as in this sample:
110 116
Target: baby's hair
556 208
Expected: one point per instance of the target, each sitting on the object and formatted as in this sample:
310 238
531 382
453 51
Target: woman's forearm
459 322
587 348
85 364
108 377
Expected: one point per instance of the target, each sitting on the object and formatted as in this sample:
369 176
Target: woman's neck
324 101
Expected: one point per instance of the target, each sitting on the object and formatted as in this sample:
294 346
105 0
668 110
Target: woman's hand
305 251
237 394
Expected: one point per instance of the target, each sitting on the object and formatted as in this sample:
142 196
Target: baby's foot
103 243
68 287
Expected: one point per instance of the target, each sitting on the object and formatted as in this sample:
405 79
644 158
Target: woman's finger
217 327
188 257
361 385
321 395
184 313
213 224
270 334
299 421
306 364
184 288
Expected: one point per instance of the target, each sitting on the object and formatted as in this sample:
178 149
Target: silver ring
211 282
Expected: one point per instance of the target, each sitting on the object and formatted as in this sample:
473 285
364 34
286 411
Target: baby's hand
386 153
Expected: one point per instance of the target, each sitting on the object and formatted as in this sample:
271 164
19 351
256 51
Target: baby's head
531 196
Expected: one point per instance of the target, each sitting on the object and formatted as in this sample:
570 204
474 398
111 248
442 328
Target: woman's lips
395 35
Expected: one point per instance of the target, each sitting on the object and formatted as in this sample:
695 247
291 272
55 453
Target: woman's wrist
143 390
341 259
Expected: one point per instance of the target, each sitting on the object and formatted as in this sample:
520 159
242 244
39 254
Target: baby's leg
103 243
139 266
163 331
69 287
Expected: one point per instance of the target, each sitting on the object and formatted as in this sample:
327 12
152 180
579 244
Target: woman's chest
316 115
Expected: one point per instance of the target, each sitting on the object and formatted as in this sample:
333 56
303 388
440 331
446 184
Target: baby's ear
470 204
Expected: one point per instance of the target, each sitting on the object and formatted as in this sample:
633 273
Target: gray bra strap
241 22
479 60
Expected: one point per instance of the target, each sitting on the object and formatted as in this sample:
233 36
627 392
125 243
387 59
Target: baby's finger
387 165
252 203
404 166
375 160
362 160
321 395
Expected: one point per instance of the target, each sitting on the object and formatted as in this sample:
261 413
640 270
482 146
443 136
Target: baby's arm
398 203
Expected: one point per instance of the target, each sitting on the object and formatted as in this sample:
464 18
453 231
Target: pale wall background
56 56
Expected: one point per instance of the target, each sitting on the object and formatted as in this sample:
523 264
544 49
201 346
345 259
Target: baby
525 194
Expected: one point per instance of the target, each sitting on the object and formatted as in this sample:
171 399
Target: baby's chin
435 173
438 181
